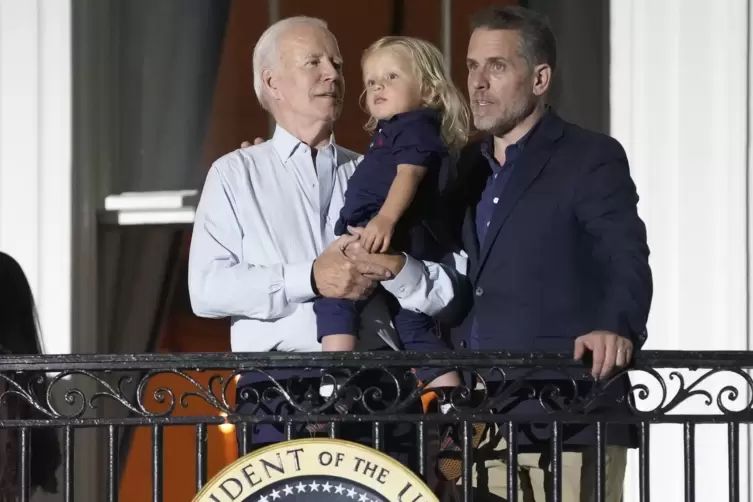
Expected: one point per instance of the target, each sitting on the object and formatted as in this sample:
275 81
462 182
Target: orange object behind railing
179 445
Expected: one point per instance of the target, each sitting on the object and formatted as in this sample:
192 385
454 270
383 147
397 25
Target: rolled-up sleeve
220 282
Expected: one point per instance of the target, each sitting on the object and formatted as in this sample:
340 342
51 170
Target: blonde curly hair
436 84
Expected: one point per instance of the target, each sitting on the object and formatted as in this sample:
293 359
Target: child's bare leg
335 343
338 343
451 379
446 382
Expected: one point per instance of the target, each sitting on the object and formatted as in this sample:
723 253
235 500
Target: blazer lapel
534 158
473 171
470 239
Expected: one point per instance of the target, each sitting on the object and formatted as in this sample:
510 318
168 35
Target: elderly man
263 245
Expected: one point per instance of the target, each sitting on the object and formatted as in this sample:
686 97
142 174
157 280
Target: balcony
118 394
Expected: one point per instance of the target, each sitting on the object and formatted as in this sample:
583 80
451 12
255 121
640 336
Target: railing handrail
279 360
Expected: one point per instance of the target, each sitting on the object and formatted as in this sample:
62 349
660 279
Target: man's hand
257 141
392 261
609 351
377 236
337 276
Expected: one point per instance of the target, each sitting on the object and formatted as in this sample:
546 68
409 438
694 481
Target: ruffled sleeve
420 143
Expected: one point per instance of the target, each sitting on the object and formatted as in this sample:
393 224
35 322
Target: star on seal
316 470
316 489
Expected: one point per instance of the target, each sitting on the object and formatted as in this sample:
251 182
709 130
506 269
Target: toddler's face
391 85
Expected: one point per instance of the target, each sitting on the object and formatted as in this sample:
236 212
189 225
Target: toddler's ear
431 97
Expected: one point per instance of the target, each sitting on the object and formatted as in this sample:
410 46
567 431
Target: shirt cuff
408 280
297 278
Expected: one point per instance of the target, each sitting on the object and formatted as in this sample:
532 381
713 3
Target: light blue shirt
266 212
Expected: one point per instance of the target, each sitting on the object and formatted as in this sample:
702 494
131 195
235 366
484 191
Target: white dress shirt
266 212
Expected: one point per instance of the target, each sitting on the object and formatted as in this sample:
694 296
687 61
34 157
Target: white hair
267 50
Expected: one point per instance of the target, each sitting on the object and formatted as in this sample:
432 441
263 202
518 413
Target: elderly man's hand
257 141
609 351
337 276
389 260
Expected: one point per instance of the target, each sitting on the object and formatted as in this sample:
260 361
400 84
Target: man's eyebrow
320 55
488 61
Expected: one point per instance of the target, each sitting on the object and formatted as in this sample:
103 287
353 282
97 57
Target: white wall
35 155
35 158
679 77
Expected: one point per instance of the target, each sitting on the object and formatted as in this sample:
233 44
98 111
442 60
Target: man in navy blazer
558 259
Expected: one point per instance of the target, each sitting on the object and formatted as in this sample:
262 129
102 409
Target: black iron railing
118 392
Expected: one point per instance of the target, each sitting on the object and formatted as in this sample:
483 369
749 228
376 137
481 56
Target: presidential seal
316 470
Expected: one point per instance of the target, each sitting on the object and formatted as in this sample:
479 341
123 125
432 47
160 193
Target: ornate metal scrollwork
535 388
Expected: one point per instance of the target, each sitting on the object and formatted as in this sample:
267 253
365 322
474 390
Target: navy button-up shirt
497 181
495 187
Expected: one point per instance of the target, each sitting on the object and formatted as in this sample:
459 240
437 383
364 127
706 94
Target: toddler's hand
377 235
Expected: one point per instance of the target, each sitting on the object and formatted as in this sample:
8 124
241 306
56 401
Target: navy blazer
565 252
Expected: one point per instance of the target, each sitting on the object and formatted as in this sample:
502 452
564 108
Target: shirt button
463 344
496 199
479 291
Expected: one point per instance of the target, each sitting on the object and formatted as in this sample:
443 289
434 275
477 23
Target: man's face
500 81
308 82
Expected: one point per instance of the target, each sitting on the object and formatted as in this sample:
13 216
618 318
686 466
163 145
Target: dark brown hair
537 42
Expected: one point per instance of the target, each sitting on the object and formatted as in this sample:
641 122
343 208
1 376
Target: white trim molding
36 153
678 104
150 208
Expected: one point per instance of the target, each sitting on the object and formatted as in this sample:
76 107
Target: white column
679 73
35 155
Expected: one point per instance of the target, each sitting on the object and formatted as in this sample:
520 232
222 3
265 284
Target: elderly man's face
309 81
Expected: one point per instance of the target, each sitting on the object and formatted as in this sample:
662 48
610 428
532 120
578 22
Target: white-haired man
263 244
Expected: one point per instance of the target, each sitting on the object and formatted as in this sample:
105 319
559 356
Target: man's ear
542 79
270 82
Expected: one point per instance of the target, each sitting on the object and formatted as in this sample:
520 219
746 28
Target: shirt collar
286 144
402 119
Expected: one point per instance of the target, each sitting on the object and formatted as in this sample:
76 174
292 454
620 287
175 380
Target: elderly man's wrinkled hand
337 276
390 260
